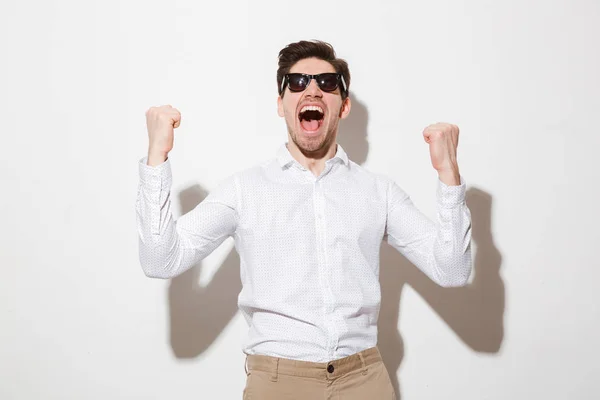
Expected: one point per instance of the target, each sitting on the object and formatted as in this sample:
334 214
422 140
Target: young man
308 226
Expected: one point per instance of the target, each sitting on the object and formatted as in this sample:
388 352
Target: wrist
450 177
156 157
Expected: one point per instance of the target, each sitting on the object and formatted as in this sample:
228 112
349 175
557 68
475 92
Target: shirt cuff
157 177
451 196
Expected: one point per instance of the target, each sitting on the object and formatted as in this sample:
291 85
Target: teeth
312 108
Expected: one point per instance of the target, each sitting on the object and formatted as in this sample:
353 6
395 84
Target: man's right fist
160 122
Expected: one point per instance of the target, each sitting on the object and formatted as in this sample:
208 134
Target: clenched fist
443 143
160 122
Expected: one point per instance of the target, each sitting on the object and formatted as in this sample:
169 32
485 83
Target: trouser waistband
325 370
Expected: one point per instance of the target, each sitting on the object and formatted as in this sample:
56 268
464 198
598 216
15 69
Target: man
308 226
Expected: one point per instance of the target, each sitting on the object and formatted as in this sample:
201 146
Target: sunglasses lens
297 82
328 82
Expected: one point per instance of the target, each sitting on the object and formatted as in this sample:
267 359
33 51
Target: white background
80 320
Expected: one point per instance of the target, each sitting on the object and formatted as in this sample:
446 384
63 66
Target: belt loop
246 365
275 371
364 365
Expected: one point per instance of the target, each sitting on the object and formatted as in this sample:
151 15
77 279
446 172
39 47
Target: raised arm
441 250
167 248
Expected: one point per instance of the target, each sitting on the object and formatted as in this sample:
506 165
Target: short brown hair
294 52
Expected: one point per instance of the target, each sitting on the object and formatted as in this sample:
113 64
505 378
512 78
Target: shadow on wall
474 312
199 314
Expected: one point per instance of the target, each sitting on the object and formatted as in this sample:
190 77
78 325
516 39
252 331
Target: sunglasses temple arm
344 83
282 88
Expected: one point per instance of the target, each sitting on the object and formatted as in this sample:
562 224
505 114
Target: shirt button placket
321 250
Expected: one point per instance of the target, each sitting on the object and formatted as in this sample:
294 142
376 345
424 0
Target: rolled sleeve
451 196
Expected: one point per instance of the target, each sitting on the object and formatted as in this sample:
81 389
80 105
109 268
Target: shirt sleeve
168 248
441 250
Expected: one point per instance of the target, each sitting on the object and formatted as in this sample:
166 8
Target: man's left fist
443 141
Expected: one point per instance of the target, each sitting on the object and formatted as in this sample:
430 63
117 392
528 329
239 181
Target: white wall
79 320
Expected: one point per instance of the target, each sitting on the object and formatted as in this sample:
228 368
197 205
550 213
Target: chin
310 144
310 147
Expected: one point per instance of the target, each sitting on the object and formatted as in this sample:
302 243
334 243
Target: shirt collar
284 157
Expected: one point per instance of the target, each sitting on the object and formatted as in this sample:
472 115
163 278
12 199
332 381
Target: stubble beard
315 145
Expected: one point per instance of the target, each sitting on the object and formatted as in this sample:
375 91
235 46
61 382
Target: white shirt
308 246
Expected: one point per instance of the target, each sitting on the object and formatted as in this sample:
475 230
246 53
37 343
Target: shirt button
330 368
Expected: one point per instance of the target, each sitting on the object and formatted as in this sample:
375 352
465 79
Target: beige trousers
361 376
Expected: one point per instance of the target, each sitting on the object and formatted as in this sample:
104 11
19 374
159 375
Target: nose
313 89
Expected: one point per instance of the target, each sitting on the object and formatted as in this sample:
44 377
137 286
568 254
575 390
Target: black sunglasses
327 82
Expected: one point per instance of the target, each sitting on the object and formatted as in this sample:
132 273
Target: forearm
452 245
160 253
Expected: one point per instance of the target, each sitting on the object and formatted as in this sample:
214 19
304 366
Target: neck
313 161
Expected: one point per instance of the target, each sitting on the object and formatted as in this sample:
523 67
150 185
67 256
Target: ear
280 106
345 110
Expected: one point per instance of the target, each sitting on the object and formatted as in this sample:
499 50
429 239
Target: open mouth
311 118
